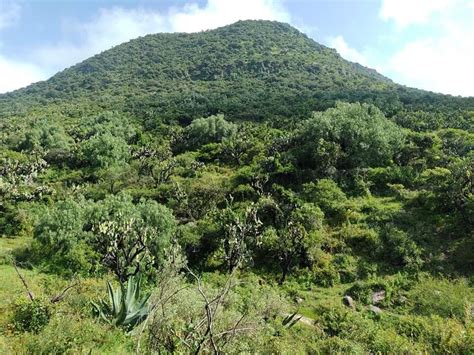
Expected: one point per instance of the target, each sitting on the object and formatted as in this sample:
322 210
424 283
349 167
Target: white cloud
340 44
116 25
442 61
442 64
16 74
409 12
216 13
111 27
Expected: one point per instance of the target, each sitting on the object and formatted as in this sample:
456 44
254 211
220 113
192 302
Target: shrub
336 345
212 129
442 297
435 334
61 239
335 320
394 287
358 135
31 316
180 312
361 238
387 341
327 276
82 236
73 334
105 150
400 250
327 195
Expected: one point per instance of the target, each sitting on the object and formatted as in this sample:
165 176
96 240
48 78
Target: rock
378 297
348 301
437 293
299 300
375 309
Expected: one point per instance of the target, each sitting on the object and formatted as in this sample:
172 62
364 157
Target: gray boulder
375 309
348 301
378 297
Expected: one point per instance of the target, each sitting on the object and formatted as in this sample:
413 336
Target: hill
243 190
248 70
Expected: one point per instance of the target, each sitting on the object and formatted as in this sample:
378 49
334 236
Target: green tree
289 243
327 195
131 237
105 150
212 129
80 236
346 137
61 239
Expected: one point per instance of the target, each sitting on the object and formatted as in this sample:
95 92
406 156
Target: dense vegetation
247 190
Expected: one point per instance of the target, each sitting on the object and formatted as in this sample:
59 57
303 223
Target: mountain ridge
157 72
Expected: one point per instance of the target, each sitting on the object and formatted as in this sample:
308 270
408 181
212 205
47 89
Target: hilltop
252 192
250 70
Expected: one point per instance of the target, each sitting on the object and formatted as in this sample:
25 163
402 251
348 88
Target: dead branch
60 296
30 294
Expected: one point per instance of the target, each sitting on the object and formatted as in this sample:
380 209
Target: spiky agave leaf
126 307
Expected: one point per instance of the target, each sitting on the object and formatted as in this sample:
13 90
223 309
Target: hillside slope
250 70
359 219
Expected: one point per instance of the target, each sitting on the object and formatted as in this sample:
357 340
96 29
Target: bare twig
60 296
209 316
30 294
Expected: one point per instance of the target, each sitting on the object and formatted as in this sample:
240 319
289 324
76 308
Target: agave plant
126 307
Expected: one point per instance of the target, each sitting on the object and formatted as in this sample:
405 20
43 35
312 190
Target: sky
427 44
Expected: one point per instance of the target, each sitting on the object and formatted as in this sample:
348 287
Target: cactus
126 307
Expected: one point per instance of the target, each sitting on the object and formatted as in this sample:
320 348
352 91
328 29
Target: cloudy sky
428 44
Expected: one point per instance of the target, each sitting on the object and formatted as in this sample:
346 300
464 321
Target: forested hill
248 70
238 205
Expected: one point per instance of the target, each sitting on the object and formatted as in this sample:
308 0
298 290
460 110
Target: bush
441 297
74 334
61 240
212 129
105 150
326 277
83 237
348 136
336 345
31 316
394 287
327 195
434 334
335 320
361 238
252 308
400 250
387 341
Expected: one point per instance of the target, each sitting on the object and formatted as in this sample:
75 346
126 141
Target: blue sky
427 44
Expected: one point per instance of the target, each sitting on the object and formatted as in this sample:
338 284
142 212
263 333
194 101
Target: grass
433 320
72 328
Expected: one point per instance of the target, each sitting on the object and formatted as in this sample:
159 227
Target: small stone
378 297
299 300
348 301
375 309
